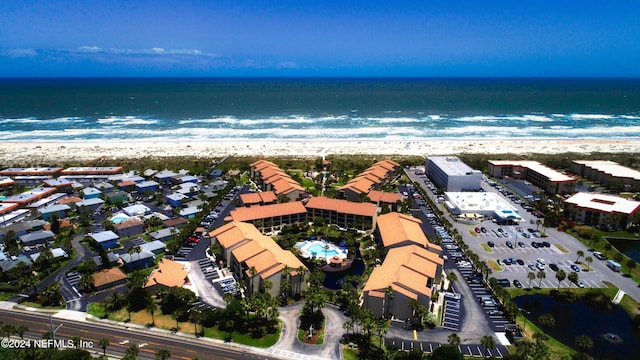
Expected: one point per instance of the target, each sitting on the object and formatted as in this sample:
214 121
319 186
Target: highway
122 338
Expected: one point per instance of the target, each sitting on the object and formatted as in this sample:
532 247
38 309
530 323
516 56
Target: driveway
288 345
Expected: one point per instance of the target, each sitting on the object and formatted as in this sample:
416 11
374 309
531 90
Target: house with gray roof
156 247
106 239
164 235
137 260
37 237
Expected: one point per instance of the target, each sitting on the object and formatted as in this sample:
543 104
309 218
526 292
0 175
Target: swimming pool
316 249
118 218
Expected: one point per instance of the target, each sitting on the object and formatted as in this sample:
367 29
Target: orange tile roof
396 228
406 269
261 164
126 183
270 173
72 199
258 197
286 186
169 273
133 222
107 276
255 249
342 206
385 197
267 211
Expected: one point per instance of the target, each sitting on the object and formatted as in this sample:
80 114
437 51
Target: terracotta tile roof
342 206
406 269
133 222
396 228
286 186
261 164
270 173
169 273
107 276
72 199
267 211
175 222
255 249
385 197
126 183
373 175
258 197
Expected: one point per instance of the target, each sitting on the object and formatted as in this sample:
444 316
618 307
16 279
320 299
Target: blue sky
319 38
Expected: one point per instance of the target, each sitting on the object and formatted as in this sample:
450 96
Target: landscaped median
493 265
486 248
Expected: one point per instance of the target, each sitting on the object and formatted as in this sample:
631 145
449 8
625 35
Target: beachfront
57 151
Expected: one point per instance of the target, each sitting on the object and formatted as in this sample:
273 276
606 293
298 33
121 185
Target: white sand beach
35 153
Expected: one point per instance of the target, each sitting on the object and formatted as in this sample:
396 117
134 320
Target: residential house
117 197
168 274
147 186
163 235
176 222
59 210
91 193
155 247
190 212
137 260
107 278
106 239
130 227
58 255
389 199
175 200
37 237
90 205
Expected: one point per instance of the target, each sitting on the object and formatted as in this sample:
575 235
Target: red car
478 230
193 240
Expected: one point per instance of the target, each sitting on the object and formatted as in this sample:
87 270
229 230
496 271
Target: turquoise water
118 219
212 109
320 251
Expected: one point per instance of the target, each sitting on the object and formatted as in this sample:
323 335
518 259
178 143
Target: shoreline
79 150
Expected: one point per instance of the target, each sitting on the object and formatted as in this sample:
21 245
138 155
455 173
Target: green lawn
263 342
4 296
350 354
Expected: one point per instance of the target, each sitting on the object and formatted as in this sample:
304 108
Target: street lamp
53 331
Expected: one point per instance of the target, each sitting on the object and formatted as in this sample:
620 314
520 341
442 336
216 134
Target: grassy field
168 322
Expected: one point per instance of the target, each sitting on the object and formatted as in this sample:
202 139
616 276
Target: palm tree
163 354
382 327
547 321
588 260
560 275
584 343
573 277
631 264
453 339
132 351
451 277
76 341
607 248
580 254
531 276
20 330
86 282
541 275
151 308
488 342
104 343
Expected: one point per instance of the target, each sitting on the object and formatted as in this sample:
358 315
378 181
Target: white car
540 261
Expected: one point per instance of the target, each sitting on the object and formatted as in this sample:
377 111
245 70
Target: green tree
580 254
86 282
55 223
531 276
132 352
560 275
547 321
631 264
176 298
104 344
588 260
573 277
20 330
618 257
608 247
452 277
163 354
53 294
446 352
151 309
488 342
541 275
453 339
584 343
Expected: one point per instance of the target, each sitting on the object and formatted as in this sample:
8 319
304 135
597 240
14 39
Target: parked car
509 244
531 267
517 283
575 267
495 312
553 267
580 283
491 243
598 255
193 240
521 244
546 244
477 230
520 262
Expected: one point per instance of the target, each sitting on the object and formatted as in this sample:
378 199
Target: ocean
318 108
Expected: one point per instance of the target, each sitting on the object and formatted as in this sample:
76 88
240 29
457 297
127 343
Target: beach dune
54 152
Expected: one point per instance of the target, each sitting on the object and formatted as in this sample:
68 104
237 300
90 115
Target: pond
335 281
610 327
631 248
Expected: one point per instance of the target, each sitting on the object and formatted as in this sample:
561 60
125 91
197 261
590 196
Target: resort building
451 174
608 173
596 209
372 178
548 179
34 171
255 258
258 198
270 177
168 274
25 198
271 217
480 206
381 198
396 230
107 278
408 273
343 213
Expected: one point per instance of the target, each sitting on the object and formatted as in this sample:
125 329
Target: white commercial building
601 209
450 173
487 204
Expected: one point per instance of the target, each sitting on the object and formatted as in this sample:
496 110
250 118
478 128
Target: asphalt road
120 339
